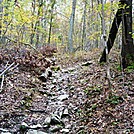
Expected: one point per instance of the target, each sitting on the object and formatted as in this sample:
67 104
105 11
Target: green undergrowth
114 99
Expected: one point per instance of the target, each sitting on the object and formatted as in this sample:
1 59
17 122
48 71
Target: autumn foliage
28 59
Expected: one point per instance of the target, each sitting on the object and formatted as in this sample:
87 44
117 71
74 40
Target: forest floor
76 99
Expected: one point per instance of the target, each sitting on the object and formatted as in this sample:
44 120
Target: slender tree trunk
105 44
43 23
71 30
51 20
50 29
32 24
38 23
84 25
1 12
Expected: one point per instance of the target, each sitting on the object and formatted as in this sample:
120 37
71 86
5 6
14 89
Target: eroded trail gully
74 100
31 106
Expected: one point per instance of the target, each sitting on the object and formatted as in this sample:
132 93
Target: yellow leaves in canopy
108 8
94 35
22 16
133 35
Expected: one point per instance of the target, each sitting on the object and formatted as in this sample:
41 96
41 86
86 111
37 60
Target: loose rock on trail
48 107
72 100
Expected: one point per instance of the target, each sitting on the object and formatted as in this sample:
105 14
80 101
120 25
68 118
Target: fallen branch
3 76
2 81
27 44
7 69
14 67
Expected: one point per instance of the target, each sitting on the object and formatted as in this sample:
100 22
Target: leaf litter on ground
81 92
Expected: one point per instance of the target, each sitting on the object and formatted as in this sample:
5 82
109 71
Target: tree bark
127 40
123 14
1 14
71 30
112 34
84 25
38 23
51 20
32 24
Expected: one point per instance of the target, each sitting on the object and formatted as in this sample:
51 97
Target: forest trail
75 100
50 78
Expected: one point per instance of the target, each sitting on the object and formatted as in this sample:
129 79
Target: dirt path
75 100
50 107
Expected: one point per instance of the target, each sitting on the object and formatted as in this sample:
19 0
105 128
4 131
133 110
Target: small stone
35 132
60 80
55 128
49 72
66 112
68 126
72 88
89 85
23 126
35 126
71 69
64 70
5 133
87 63
54 81
65 130
63 97
59 89
47 121
52 86
74 97
3 130
55 119
43 77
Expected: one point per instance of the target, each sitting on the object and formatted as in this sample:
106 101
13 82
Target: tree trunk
84 26
70 36
123 14
32 24
38 23
1 12
51 20
112 34
127 40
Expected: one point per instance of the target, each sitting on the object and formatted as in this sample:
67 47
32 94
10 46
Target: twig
14 67
2 81
6 65
7 69
23 43
3 76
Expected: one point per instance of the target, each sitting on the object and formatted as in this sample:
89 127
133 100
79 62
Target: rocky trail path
43 107
74 100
